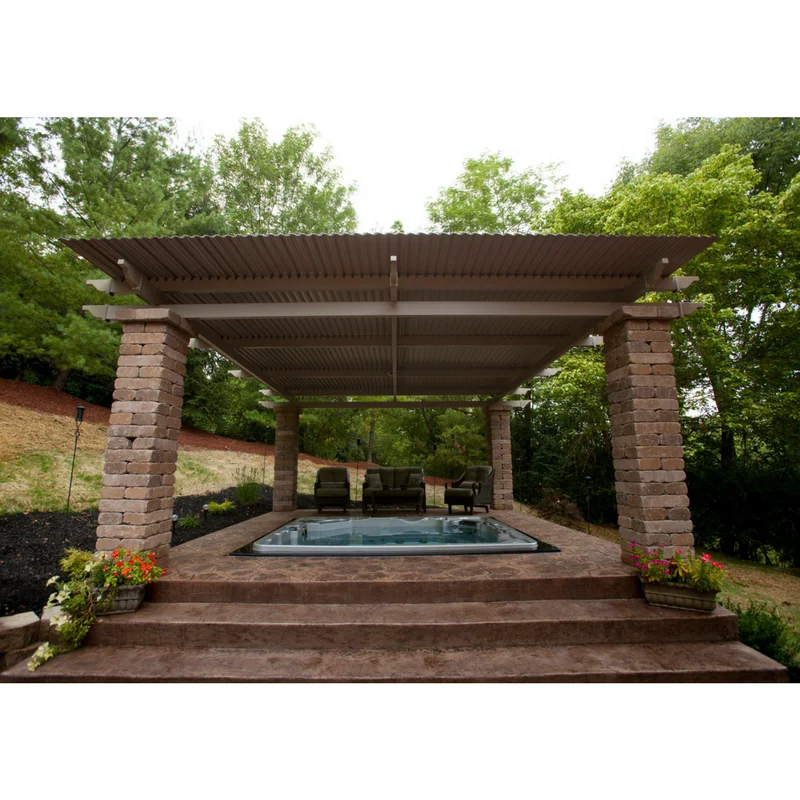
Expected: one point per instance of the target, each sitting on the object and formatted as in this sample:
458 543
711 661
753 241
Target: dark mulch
31 544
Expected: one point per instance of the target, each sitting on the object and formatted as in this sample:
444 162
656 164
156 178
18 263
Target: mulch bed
31 544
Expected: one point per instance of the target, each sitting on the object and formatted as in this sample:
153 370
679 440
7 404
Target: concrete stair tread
715 662
405 613
411 625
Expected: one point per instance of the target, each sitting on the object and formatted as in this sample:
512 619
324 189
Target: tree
772 142
281 187
120 176
490 197
736 357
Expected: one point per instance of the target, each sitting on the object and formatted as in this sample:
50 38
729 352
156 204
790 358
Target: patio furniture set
402 487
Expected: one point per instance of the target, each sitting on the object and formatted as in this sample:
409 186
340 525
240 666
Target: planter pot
676 595
128 598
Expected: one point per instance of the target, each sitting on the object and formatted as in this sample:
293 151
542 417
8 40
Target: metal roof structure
458 315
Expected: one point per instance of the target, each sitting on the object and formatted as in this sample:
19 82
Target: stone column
652 499
143 435
287 421
498 437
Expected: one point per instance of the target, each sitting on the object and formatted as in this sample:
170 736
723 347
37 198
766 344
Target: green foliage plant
225 507
189 521
698 572
90 585
248 487
764 629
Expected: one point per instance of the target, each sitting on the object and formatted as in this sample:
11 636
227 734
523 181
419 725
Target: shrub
248 487
553 505
764 629
225 507
189 521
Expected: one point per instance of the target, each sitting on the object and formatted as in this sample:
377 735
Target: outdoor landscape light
174 522
78 420
205 512
435 447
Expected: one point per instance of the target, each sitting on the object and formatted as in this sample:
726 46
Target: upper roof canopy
392 314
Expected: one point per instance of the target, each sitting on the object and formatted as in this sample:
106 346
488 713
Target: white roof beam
304 342
433 308
396 404
441 283
410 372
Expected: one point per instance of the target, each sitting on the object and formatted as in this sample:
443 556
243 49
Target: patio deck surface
208 559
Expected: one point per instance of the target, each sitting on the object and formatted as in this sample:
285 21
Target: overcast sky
405 92
397 166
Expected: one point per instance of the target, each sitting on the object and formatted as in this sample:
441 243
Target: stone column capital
647 311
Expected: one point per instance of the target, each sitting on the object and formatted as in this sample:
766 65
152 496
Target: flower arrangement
124 568
88 588
699 572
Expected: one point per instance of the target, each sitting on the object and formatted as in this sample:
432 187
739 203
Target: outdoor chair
332 488
474 488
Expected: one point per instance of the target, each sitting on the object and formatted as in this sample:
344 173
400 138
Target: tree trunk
61 380
371 439
727 446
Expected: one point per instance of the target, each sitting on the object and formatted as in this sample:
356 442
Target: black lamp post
358 456
78 420
435 448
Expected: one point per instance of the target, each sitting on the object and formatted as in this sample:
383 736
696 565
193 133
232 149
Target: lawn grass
746 581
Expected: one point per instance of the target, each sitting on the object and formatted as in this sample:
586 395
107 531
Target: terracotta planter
128 598
676 595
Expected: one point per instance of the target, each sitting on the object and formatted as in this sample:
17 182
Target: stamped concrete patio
577 615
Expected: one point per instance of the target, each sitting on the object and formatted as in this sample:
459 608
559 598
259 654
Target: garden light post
78 420
435 447
358 456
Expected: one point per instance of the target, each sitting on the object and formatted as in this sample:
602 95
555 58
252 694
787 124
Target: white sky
405 92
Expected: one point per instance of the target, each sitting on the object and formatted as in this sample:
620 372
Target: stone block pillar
498 438
143 435
286 453
652 498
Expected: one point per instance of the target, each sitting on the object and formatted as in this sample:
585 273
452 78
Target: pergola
322 320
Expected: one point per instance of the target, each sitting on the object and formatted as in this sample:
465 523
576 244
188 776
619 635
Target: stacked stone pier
652 498
139 470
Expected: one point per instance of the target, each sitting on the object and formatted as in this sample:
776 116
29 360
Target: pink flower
678 551
706 557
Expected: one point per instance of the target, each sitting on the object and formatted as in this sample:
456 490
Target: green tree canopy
280 187
491 197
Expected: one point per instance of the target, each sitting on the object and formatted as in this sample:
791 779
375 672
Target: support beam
397 404
410 372
242 374
394 357
317 342
443 283
466 308
196 343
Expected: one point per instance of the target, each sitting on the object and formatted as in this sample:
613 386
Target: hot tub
394 536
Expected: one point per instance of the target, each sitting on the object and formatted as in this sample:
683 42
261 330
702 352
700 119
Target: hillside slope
37 426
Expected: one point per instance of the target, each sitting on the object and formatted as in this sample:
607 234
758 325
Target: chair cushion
332 485
458 491
373 481
415 480
338 492
331 474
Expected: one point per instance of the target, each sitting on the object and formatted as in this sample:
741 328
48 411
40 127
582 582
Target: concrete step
410 625
486 588
687 662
